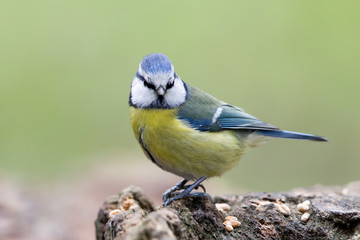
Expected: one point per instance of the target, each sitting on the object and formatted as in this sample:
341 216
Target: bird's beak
160 91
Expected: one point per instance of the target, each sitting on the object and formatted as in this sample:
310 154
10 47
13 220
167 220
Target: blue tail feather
292 135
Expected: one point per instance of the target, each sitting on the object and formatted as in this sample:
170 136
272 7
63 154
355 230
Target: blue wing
205 113
225 117
234 118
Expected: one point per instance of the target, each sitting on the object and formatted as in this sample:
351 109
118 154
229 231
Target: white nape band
217 114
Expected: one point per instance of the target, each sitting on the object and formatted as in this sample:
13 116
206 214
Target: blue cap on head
155 63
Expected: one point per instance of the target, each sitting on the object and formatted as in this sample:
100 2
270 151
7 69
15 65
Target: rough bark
334 214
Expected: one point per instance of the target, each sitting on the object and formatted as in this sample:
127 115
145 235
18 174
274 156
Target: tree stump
331 213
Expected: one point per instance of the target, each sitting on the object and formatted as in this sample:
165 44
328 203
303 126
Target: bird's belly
182 150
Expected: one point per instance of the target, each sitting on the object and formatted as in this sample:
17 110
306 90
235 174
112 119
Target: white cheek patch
141 96
176 95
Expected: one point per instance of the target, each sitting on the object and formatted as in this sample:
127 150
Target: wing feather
201 112
235 118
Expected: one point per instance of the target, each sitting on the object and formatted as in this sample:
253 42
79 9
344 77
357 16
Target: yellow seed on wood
235 223
128 203
114 212
301 207
231 222
283 209
230 218
229 228
222 206
305 217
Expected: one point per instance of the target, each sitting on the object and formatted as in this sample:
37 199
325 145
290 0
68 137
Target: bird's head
156 84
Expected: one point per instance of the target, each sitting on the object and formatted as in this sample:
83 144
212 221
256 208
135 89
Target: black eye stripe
149 85
140 77
146 84
170 85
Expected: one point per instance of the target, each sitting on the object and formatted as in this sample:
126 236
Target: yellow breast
182 150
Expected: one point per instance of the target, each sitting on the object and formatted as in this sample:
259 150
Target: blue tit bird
188 132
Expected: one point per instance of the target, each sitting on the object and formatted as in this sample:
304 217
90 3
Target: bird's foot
170 191
186 191
180 186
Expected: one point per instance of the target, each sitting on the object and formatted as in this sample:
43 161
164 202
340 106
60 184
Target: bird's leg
200 194
196 188
187 192
178 186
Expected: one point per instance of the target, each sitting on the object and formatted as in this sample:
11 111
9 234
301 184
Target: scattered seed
114 212
234 223
283 208
128 203
231 222
229 228
301 207
230 218
304 206
305 217
224 207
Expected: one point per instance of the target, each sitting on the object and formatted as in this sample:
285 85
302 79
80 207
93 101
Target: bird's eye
149 85
170 84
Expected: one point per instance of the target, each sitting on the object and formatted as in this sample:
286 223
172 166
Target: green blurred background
66 69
